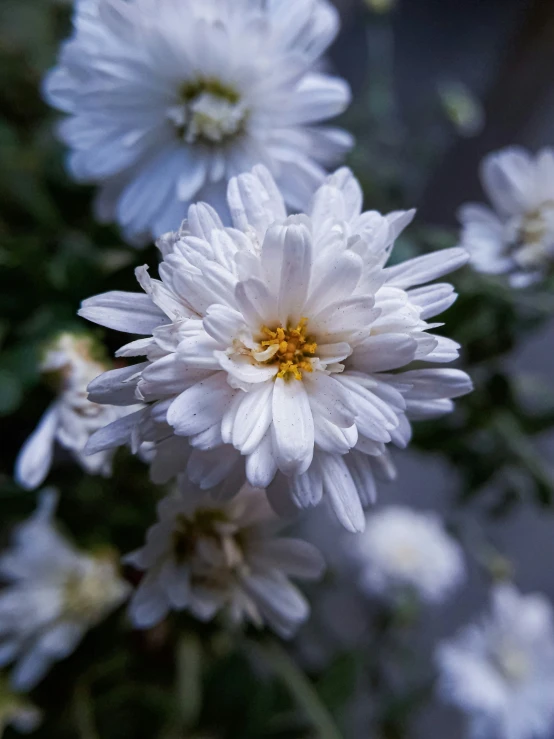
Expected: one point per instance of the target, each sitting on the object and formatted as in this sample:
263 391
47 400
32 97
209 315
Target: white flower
17 712
276 341
206 556
54 594
402 549
71 418
501 671
168 100
516 236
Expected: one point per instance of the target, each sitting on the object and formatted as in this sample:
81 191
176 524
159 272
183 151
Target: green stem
300 688
83 712
518 443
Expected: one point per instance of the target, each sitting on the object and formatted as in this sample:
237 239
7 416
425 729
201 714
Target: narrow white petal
293 426
261 466
35 458
423 269
133 313
339 486
116 387
201 405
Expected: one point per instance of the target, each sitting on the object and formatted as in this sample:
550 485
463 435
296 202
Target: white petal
208 469
201 405
342 493
423 410
384 352
256 304
115 434
116 387
133 313
292 556
261 466
252 205
149 605
507 179
362 475
331 399
253 418
306 490
429 384
423 269
293 426
246 370
35 458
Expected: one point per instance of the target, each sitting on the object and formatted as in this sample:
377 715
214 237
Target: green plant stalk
517 441
300 688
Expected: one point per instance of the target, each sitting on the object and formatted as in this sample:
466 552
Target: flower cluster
517 236
207 556
274 347
501 671
276 358
70 363
166 101
402 550
53 594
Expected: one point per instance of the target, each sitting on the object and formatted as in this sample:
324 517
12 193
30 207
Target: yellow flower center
291 348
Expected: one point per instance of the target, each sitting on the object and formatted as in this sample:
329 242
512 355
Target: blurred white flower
168 100
206 556
501 670
54 593
274 342
515 236
404 550
16 712
71 418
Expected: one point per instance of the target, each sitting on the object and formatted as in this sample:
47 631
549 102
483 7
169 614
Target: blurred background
437 85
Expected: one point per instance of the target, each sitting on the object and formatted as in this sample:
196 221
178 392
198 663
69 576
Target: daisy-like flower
403 550
279 341
516 236
168 100
70 420
501 671
207 556
53 595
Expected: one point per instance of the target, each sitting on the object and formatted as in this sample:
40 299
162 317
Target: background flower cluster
156 589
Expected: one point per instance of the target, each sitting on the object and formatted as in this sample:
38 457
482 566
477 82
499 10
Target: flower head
166 101
54 593
206 556
70 364
515 236
501 671
277 342
403 550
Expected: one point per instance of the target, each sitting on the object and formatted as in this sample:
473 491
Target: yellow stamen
293 349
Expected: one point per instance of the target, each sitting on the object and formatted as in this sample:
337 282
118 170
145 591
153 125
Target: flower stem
518 443
300 688
83 712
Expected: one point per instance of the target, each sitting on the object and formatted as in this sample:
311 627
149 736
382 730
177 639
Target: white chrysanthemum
54 593
206 556
16 711
278 341
72 418
402 549
168 100
516 236
501 671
